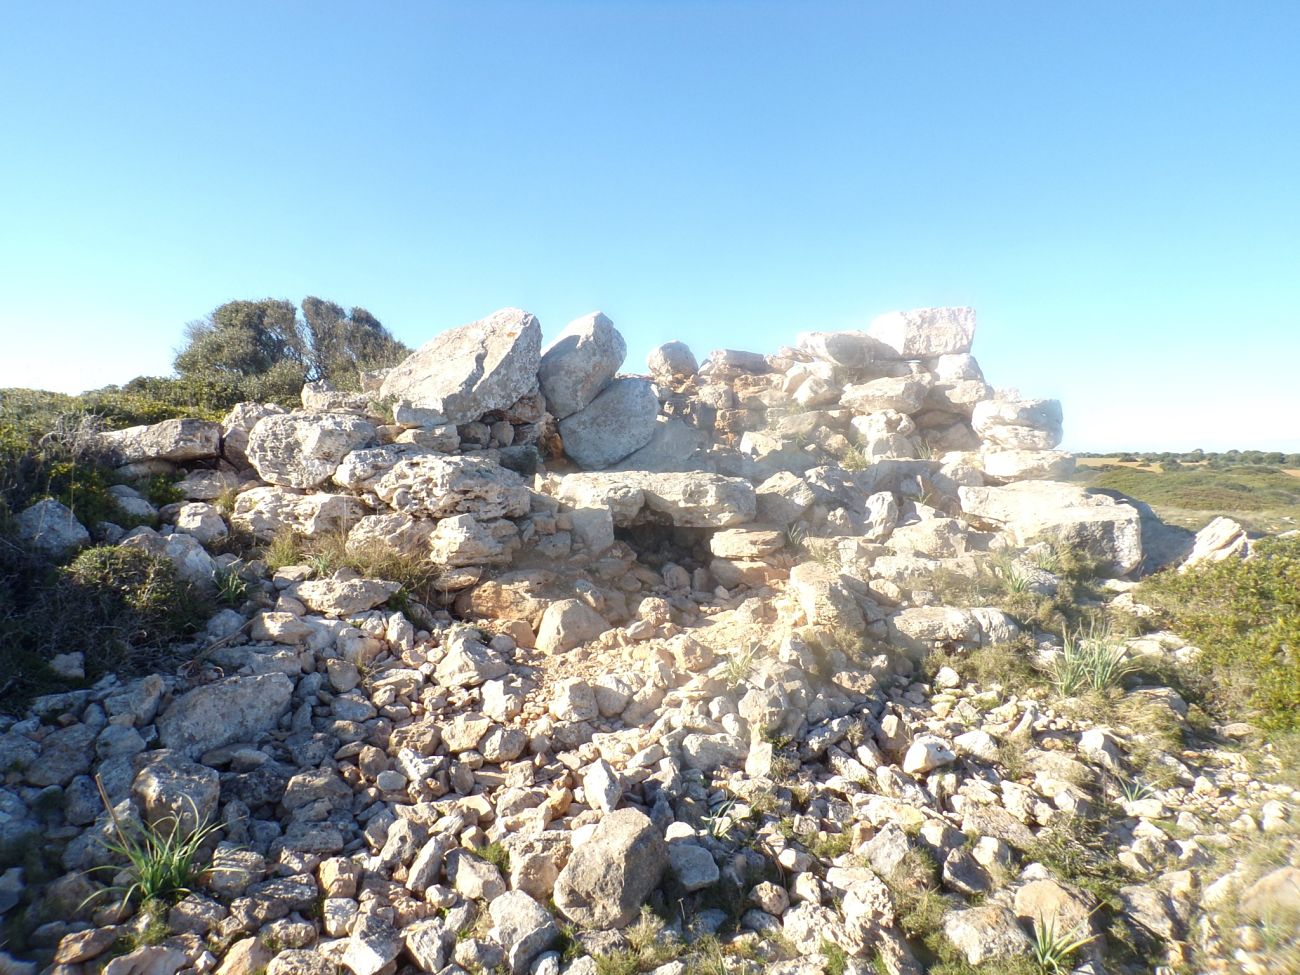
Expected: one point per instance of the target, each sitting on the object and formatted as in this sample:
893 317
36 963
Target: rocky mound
694 646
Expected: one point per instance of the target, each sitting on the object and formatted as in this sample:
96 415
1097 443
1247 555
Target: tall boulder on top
580 363
925 332
1020 424
616 423
467 371
672 361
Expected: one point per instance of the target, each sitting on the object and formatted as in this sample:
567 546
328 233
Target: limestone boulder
523 928
235 427
698 500
568 623
360 470
267 511
580 363
234 709
323 396
825 598
171 440
344 597
672 362
689 499
51 528
904 394
303 450
467 371
986 933
923 333
1022 424
439 486
853 350
955 367
1218 541
617 422
674 446
173 792
609 877
461 541
185 552
203 521
397 532
1033 511
1005 465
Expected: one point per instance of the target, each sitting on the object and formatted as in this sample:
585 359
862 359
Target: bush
138 593
123 608
1245 618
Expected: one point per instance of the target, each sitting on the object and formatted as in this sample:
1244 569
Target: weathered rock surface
1050 511
234 709
170 440
439 486
467 371
303 450
617 422
925 332
580 363
267 511
51 529
608 877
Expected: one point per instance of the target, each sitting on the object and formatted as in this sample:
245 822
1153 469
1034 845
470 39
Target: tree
268 342
344 343
243 338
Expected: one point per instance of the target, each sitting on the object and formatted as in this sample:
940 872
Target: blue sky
1115 186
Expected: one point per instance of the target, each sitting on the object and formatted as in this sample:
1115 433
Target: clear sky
1115 186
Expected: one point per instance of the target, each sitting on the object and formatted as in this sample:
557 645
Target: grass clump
648 947
328 552
1244 615
1090 660
161 859
497 855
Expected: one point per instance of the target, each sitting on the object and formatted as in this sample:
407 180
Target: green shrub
122 607
162 490
1245 618
139 593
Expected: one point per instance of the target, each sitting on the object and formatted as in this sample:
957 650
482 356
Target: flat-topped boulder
170 440
690 500
853 350
1034 511
467 371
1010 464
923 333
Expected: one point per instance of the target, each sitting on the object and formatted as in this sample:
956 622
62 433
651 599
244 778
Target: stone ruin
664 602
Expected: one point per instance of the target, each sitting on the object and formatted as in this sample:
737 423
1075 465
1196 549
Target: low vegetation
1263 495
122 607
1245 618
162 859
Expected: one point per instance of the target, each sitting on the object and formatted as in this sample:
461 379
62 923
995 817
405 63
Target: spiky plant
1053 948
161 859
